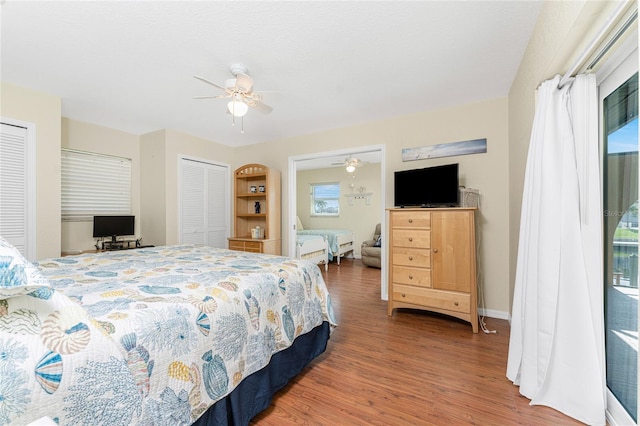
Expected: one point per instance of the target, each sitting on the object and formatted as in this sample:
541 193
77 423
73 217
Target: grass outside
625 234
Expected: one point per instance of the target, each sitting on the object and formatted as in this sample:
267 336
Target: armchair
371 251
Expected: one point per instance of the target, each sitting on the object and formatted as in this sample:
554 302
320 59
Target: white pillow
299 226
18 276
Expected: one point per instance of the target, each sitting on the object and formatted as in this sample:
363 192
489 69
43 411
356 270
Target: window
325 199
94 184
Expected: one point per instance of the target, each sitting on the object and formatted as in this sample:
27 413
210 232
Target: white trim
616 414
492 313
622 64
618 57
31 228
227 206
384 289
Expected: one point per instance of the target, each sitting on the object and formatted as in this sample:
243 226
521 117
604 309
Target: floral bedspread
149 336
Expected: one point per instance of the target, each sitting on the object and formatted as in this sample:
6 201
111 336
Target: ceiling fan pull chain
242 124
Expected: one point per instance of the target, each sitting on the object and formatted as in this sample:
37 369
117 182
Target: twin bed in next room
313 243
156 336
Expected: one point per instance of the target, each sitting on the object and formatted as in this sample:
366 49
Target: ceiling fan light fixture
351 168
237 107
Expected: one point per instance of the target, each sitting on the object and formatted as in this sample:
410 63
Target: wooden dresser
432 261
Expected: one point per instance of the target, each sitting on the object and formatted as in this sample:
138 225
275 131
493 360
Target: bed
313 248
340 241
166 335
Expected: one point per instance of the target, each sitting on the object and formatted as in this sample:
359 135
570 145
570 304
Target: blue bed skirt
255 392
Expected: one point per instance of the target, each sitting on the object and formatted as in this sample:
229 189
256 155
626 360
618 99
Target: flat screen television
429 187
113 226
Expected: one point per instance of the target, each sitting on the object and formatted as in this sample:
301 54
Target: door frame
291 230
622 60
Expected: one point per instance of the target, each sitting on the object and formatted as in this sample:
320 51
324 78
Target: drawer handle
410 257
455 303
402 294
410 220
410 239
410 277
435 250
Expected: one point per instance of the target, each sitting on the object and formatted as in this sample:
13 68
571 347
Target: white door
204 203
17 187
619 124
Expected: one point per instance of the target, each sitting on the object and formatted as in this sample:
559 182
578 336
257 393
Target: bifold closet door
204 203
13 186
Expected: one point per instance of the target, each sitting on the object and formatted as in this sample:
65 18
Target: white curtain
556 348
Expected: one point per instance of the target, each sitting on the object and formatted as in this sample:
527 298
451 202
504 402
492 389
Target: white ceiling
130 65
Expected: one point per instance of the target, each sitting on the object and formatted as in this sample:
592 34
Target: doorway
619 124
327 159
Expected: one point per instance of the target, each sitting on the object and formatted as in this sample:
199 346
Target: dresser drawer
252 245
413 257
412 276
236 245
411 238
411 219
447 300
242 245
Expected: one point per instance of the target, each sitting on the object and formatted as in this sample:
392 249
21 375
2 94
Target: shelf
256 184
252 195
359 196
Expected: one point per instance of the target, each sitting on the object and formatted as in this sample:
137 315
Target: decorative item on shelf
469 197
360 195
253 189
261 188
256 232
256 206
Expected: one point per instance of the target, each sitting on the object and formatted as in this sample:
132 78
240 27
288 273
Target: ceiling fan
240 92
350 163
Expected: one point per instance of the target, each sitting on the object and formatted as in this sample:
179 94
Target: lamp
237 107
351 168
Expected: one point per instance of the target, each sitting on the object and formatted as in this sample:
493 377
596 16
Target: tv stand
114 244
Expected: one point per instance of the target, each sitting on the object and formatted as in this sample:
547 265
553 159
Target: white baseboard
492 313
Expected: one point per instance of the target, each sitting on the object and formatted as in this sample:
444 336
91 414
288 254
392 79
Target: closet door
17 189
204 204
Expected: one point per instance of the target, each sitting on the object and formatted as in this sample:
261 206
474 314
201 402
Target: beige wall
487 172
81 136
43 110
153 188
358 217
562 33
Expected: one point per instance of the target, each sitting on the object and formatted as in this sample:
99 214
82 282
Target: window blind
94 184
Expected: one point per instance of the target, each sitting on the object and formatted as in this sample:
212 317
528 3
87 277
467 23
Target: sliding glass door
619 103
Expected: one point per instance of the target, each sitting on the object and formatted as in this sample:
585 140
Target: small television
113 226
429 187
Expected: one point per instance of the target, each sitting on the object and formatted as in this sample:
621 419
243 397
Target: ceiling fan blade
211 97
260 107
209 82
244 83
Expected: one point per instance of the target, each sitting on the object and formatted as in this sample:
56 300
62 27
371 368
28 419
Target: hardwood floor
415 368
